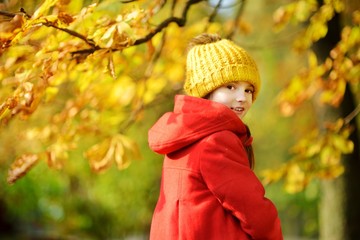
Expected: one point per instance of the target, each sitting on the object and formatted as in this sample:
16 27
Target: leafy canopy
79 73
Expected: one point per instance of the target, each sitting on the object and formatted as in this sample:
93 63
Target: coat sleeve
226 171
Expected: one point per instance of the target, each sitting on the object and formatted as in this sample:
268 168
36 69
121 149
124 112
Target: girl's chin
240 114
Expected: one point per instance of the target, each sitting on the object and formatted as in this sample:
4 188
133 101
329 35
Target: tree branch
237 19
11 15
90 42
8 14
179 21
25 13
128 1
214 13
50 24
352 115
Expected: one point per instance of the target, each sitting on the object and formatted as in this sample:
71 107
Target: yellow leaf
295 179
270 176
326 96
130 147
339 124
326 13
329 156
304 10
57 154
100 155
121 159
313 149
282 16
354 37
108 33
317 30
42 10
343 144
339 5
331 172
312 59
111 66
119 148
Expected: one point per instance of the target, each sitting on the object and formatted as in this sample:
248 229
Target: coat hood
192 119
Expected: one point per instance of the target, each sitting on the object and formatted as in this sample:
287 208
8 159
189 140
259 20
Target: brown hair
249 149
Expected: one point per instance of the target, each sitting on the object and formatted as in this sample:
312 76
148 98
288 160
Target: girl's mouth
237 109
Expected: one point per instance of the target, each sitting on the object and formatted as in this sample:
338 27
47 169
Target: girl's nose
240 96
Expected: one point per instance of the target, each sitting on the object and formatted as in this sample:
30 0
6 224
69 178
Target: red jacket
208 190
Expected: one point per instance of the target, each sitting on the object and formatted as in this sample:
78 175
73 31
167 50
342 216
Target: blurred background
83 81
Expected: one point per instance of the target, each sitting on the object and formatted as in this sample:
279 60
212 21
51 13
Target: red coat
208 190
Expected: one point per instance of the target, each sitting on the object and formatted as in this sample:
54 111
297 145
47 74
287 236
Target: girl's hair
249 149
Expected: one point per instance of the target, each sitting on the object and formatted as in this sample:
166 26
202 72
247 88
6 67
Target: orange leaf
21 166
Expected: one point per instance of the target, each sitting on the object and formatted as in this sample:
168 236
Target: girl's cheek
250 98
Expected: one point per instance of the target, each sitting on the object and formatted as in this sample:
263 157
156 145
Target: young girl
208 189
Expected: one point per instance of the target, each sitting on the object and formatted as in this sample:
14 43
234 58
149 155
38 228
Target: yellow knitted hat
211 65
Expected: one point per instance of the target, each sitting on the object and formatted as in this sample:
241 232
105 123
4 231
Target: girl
208 189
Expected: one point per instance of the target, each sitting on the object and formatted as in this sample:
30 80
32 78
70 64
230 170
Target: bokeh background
96 102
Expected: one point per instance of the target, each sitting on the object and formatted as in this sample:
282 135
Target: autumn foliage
84 73
318 155
79 75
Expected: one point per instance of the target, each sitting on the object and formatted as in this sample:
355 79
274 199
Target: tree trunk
352 176
339 208
331 212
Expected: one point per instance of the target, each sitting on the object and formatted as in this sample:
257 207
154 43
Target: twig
179 21
25 13
133 116
11 15
75 34
237 18
128 1
352 115
173 6
214 13
8 14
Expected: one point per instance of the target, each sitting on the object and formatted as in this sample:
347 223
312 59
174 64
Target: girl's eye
249 91
231 87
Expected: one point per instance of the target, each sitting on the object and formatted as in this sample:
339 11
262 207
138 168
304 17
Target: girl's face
238 96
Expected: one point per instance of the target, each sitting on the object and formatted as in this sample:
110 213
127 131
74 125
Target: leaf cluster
319 153
316 156
81 74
